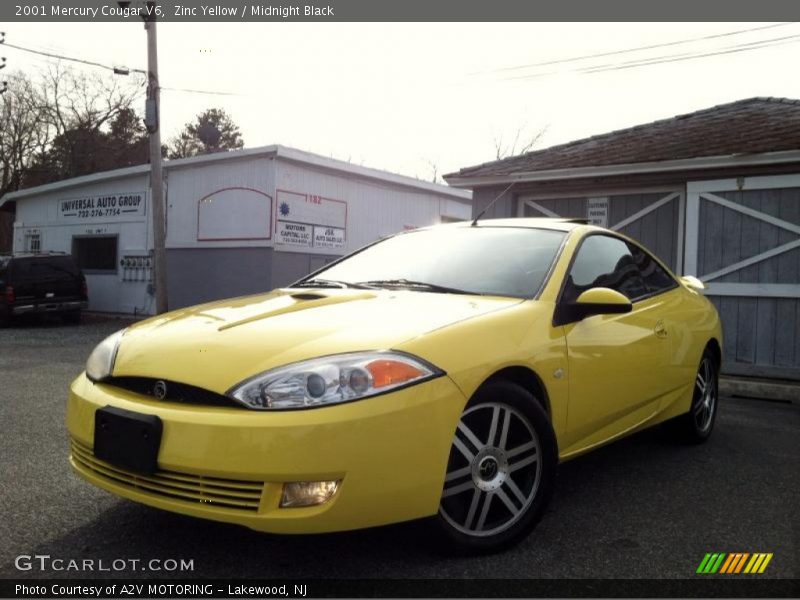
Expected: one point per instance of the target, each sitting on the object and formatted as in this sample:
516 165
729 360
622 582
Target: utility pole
152 120
153 123
3 89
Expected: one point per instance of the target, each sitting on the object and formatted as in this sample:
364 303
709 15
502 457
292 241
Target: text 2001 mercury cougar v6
440 373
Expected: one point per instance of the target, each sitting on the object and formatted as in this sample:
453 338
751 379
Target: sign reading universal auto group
305 222
106 207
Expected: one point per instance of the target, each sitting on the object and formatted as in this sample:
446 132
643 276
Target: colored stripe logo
734 563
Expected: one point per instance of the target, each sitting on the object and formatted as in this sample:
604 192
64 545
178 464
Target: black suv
39 283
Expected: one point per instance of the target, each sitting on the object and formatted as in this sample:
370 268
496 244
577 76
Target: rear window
44 267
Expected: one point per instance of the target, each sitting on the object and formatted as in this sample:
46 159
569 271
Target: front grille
183 487
176 392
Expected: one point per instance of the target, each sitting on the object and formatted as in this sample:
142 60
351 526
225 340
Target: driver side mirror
601 301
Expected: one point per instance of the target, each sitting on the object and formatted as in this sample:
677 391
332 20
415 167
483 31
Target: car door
616 362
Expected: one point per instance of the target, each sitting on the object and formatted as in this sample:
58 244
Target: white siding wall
374 208
230 204
187 186
107 292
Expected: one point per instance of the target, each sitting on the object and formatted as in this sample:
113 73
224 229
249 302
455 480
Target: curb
762 389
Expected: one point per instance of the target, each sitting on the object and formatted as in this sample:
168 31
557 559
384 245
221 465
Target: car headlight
332 380
101 361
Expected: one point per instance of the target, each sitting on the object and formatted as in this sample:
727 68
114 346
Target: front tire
500 472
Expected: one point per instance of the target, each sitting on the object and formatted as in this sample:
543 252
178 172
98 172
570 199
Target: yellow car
442 372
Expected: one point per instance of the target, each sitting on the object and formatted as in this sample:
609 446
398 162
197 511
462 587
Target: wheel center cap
487 468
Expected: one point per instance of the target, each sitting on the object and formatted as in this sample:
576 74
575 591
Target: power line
669 58
637 49
90 63
791 39
191 91
117 70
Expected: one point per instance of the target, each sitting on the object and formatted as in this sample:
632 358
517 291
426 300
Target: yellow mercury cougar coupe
442 372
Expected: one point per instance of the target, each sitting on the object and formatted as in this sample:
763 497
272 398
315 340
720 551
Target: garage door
743 241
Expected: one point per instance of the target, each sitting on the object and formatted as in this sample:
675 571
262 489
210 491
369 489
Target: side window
656 279
604 261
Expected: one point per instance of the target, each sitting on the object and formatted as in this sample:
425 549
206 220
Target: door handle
660 329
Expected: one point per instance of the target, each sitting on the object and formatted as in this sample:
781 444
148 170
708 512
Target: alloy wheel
494 470
706 395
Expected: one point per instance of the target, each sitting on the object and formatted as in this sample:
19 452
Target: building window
33 243
96 254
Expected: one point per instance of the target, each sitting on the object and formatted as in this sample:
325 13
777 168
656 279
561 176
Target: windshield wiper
410 284
330 283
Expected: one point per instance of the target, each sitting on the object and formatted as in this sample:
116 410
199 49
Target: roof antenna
488 206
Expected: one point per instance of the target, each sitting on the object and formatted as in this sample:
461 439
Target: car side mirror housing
693 283
602 301
594 301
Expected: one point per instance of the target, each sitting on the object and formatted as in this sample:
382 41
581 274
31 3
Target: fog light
308 493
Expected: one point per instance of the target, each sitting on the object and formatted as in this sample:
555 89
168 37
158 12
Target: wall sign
106 207
309 221
597 211
328 237
294 234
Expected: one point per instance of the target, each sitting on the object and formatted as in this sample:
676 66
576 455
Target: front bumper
229 464
42 307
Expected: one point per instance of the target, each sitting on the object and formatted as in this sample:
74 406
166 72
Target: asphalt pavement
644 507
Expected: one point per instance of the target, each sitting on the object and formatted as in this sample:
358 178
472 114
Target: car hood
217 345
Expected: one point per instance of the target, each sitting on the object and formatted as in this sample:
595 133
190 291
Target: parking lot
644 507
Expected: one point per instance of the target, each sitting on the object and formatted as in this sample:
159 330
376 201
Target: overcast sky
402 96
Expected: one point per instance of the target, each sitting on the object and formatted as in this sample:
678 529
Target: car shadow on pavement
645 506
130 530
127 530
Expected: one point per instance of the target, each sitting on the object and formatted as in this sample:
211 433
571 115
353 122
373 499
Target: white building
237 223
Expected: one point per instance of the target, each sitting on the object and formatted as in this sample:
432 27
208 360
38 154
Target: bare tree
434 170
74 103
62 123
23 130
521 143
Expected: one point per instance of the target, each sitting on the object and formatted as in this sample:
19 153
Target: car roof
556 224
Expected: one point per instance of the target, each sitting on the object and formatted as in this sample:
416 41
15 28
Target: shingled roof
753 125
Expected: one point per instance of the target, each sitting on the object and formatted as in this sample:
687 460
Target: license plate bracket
127 439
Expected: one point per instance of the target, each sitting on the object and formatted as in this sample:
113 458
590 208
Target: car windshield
496 261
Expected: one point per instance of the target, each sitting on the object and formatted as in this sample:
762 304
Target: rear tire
500 473
695 427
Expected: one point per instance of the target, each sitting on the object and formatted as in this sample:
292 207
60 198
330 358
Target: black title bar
701 586
400 10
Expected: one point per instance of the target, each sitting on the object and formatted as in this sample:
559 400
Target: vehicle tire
5 319
72 316
500 472
695 427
